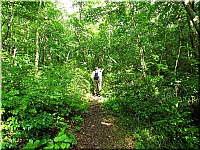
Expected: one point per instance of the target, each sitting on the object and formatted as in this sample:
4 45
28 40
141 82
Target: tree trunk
190 33
47 48
13 56
179 51
142 54
9 24
179 44
37 40
44 52
80 10
194 44
193 16
79 31
79 42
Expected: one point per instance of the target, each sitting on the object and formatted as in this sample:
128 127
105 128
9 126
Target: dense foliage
150 53
36 108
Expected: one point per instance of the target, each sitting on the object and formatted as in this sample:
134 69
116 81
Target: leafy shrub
153 105
34 106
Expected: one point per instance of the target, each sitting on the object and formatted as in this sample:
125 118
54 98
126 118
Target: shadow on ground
100 131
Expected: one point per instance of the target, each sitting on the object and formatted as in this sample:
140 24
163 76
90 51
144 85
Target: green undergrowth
42 111
157 116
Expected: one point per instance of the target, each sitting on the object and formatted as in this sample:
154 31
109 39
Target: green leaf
65 145
78 128
23 107
56 139
51 146
50 141
33 110
43 141
175 100
13 92
15 112
74 142
57 146
180 120
68 140
29 145
63 137
37 143
4 145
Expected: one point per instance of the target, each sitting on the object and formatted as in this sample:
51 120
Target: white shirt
99 73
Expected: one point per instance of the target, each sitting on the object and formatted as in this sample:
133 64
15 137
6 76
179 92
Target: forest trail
100 131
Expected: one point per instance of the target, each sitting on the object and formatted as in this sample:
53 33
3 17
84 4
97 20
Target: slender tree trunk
190 33
81 50
194 45
109 43
45 56
193 16
48 51
45 49
189 7
80 10
142 54
79 39
8 30
37 51
179 49
109 31
13 56
67 58
9 25
43 52
79 31
37 40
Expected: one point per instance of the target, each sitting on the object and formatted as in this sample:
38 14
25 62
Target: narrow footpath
100 131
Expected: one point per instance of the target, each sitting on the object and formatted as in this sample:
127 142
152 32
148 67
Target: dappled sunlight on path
99 129
97 99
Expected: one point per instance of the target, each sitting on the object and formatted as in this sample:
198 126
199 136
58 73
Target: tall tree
189 7
37 38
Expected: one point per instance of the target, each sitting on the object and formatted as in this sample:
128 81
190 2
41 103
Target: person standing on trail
97 80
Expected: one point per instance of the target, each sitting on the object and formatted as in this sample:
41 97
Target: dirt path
100 131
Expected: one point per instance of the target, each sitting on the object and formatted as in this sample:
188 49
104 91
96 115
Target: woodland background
150 53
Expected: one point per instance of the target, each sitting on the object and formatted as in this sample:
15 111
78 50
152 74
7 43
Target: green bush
35 105
152 105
